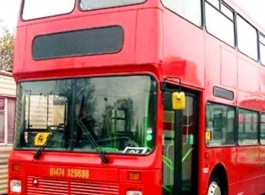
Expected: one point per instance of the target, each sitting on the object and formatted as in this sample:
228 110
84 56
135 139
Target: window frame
237 37
234 125
257 126
6 132
261 42
10 106
3 110
38 56
17 145
219 9
201 26
111 7
262 143
43 17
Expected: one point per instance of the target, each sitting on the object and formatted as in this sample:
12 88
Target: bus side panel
261 167
182 50
27 35
149 36
247 169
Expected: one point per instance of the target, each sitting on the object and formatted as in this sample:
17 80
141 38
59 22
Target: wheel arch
220 171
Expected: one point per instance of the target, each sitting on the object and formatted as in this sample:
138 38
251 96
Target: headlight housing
15 185
134 192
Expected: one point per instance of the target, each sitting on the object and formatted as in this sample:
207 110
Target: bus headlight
132 192
15 185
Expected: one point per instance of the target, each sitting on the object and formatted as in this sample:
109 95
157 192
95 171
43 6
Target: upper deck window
189 9
262 48
95 4
214 3
219 18
34 9
247 38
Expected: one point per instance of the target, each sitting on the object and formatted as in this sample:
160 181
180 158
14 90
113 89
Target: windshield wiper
42 148
94 143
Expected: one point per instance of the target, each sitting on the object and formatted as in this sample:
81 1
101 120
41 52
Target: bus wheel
214 187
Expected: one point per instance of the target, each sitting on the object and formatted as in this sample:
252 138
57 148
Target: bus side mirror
178 101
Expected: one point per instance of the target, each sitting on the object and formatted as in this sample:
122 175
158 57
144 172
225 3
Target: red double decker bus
138 97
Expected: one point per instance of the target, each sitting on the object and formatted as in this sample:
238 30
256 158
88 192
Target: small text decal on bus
67 172
135 150
59 172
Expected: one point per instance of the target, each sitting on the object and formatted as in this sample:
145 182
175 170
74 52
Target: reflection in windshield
95 4
117 113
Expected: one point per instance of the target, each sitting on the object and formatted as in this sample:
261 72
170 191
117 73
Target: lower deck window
247 127
220 125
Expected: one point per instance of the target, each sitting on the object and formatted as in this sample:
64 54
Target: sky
9 10
255 8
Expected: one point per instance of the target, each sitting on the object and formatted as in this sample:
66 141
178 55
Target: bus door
179 170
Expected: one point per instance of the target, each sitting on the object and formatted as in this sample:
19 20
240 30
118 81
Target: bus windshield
116 113
95 4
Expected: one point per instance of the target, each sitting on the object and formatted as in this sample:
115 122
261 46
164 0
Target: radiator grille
90 188
46 187
57 187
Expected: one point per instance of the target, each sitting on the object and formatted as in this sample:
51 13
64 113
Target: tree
7 41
